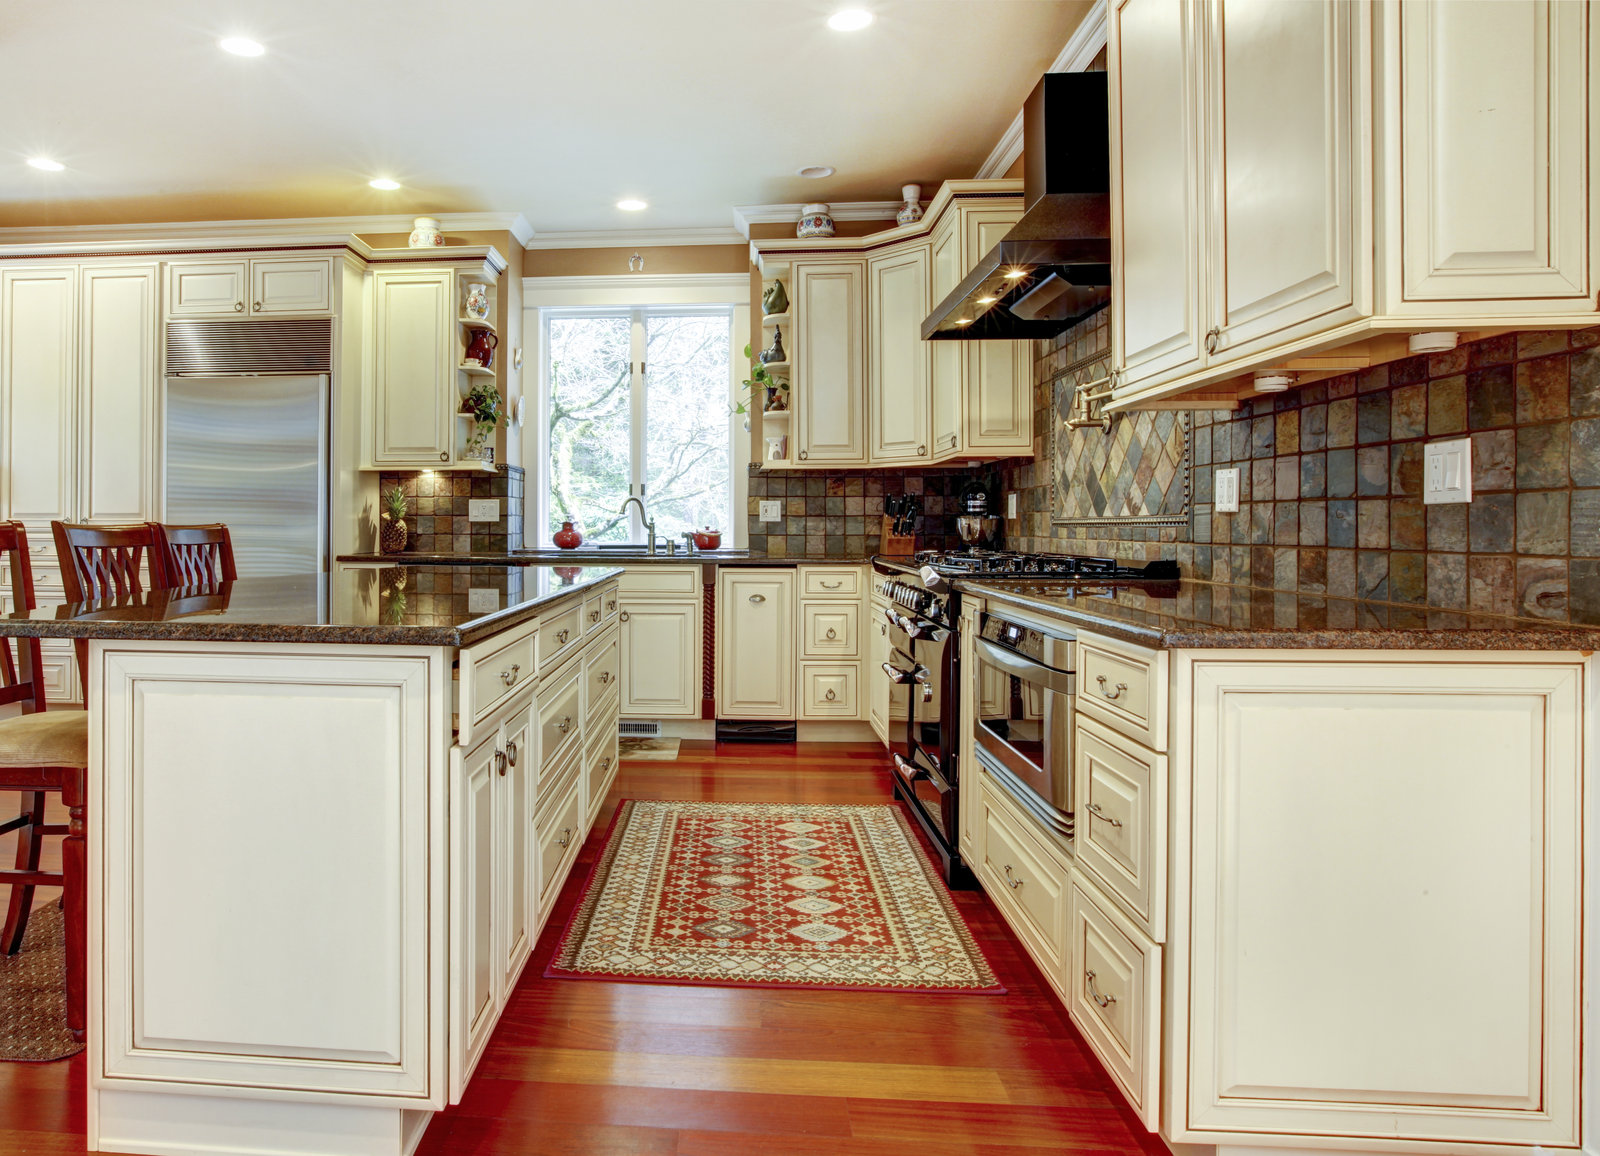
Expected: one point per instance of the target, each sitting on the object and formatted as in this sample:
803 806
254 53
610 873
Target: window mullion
637 412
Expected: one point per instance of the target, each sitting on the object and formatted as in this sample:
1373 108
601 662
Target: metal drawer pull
511 752
565 724
605 763
758 598
832 585
562 636
624 617
605 678
566 837
830 696
610 606
510 676
500 762
238 306
1112 695
258 307
594 616
1015 882
1094 993
1094 809
832 633
1213 339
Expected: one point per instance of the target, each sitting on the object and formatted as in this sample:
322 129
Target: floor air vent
755 732
639 729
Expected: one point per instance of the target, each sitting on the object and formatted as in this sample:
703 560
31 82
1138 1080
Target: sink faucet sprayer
649 523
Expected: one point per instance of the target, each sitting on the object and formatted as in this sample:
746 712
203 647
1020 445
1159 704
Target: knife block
891 543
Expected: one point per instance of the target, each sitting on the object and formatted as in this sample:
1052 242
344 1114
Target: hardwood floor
584 1068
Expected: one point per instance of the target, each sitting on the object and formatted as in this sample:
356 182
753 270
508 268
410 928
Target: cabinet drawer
601 768
1122 689
1115 995
830 629
1121 809
829 691
1026 884
497 673
561 719
560 836
660 580
601 672
594 614
558 634
820 582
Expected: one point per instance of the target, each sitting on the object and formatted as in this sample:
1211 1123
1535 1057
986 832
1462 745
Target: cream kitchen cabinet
253 286
757 671
516 780
830 644
476 835
997 383
898 359
828 376
414 368
659 646
947 360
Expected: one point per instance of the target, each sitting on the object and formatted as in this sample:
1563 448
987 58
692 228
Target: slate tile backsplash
839 514
438 522
1331 483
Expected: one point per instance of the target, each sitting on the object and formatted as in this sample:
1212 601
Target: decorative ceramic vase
477 304
776 448
481 346
777 400
815 221
910 212
774 352
391 535
568 574
568 538
425 233
483 453
775 299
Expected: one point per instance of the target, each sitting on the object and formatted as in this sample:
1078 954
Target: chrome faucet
649 523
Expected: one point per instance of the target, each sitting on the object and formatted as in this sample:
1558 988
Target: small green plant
483 403
757 383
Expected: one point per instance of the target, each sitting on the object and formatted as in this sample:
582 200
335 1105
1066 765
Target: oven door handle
1060 681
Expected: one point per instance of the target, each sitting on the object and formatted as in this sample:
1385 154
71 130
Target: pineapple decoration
392 590
392 523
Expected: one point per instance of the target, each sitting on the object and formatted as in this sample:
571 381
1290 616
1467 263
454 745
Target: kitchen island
327 815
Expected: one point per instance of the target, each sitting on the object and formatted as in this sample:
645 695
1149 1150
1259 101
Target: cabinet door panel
1156 230
119 364
39 382
897 380
1386 885
945 357
1495 169
514 816
755 644
205 288
414 370
830 361
660 658
1288 117
291 286
474 860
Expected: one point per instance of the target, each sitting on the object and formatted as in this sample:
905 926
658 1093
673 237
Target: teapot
481 345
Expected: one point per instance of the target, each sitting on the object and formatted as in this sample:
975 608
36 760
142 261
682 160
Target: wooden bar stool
197 555
41 751
105 562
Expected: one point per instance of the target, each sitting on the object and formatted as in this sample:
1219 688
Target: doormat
826 895
659 750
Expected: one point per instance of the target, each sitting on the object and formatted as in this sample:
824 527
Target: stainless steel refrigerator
251 451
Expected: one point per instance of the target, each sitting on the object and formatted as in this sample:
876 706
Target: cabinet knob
258 307
605 763
802 455
832 634
511 752
830 696
758 598
1094 809
565 724
443 457
1094 992
594 616
623 617
605 678
610 606
566 837
238 306
922 451
500 762
1213 338
562 636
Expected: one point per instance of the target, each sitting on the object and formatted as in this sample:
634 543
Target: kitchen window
637 403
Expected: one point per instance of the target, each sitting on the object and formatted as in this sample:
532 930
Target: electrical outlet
483 510
1225 491
482 600
771 511
1447 472
1011 505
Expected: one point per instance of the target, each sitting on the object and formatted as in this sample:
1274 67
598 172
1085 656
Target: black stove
1003 564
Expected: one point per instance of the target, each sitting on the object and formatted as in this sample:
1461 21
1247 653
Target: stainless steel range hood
1054 267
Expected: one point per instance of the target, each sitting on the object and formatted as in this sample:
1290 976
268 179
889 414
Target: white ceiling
555 110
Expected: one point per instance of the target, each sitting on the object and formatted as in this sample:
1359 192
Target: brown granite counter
591 557
375 605
1188 614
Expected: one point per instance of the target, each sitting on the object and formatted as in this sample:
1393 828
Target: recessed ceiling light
850 20
46 164
384 183
815 172
242 46
631 205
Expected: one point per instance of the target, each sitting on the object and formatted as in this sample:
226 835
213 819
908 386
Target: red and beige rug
769 894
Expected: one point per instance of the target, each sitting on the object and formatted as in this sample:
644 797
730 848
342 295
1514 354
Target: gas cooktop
1004 564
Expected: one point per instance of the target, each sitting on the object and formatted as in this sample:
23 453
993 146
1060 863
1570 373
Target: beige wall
658 259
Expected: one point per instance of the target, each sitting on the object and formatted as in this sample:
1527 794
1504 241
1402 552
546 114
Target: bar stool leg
28 845
74 893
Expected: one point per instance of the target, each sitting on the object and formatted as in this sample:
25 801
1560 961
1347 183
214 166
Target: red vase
481 346
568 538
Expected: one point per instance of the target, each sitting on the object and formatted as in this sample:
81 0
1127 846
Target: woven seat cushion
56 738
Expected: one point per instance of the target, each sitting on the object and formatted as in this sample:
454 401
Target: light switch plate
1225 491
771 511
1011 505
483 510
1447 472
482 600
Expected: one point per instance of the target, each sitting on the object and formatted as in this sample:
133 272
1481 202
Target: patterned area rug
657 750
33 993
770 895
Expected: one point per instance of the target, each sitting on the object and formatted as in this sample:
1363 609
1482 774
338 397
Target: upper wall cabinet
274 286
1263 153
865 389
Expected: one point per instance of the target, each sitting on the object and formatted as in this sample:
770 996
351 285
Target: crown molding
633 238
637 289
1076 55
746 215
303 229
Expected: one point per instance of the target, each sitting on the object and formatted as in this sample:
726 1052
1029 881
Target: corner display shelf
474 323
775 319
473 369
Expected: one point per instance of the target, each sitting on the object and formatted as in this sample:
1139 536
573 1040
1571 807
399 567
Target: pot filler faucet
649 523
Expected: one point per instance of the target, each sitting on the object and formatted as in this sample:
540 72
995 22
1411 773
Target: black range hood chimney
1054 267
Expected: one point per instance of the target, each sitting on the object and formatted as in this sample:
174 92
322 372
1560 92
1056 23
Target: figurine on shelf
774 352
775 299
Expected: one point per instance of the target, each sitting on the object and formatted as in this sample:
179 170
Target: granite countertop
631 557
367 604
1189 614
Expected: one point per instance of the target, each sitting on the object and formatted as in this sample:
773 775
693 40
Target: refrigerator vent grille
210 347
